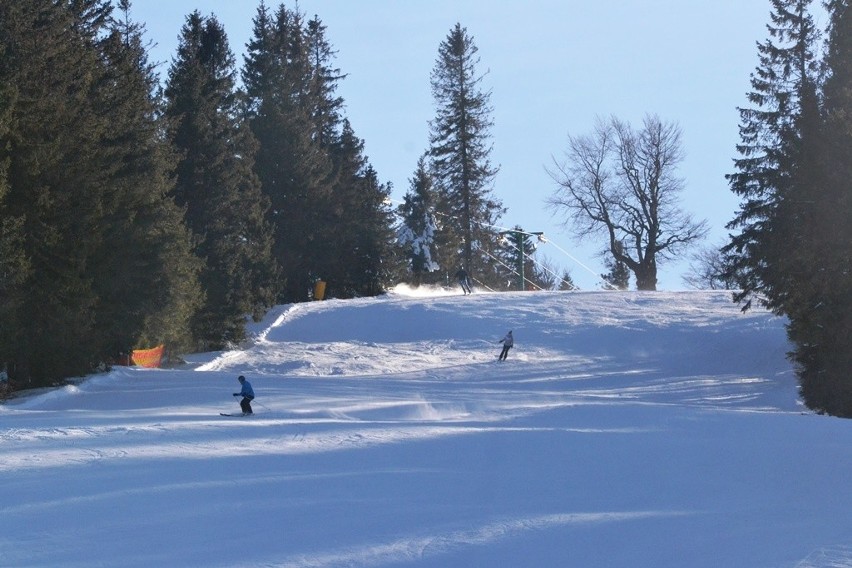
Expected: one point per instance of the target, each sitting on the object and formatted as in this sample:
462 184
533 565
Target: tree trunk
646 278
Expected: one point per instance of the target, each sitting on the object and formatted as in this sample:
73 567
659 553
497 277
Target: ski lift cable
540 236
510 269
566 253
539 265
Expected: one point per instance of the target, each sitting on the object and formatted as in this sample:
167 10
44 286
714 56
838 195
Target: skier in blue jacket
247 393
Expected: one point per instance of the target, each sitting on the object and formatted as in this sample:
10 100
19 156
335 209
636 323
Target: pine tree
517 246
326 108
618 275
148 286
57 177
359 234
419 226
820 303
771 165
460 148
14 265
295 172
225 208
567 282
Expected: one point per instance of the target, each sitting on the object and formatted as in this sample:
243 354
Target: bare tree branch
622 183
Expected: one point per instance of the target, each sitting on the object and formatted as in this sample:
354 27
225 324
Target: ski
235 415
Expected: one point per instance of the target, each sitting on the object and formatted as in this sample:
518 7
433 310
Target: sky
624 430
552 67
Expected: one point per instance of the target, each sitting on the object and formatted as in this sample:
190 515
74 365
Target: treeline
134 213
138 210
791 248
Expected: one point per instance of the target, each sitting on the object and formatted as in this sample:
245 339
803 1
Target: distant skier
507 342
464 281
247 393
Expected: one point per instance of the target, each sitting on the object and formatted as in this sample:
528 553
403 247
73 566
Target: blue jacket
247 391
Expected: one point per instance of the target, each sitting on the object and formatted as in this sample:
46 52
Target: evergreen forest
139 210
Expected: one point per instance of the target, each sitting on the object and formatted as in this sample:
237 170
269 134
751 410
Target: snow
624 430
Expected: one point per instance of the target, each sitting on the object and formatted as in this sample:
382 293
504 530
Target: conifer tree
618 275
57 176
225 208
96 254
820 298
359 233
295 172
793 250
326 107
771 167
14 265
567 282
419 226
148 285
327 203
460 151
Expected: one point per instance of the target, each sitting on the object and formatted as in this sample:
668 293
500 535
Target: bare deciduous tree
621 183
708 270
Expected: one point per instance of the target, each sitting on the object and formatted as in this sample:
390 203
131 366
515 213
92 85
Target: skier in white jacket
507 342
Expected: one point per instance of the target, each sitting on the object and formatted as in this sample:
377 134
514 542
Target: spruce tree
326 107
295 172
460 151
57 177
419 226
618 275
359 230
148 284
793 250
225 208
14 264
328 207
567 282
771 166
821 316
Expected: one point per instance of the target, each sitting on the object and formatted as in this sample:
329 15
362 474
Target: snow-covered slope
625 429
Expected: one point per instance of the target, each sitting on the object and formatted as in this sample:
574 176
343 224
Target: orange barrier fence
148 357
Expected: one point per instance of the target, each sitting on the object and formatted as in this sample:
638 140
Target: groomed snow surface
625 430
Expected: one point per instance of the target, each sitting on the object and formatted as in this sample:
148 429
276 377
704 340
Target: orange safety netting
148 357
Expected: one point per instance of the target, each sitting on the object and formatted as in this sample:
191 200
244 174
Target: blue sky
552 67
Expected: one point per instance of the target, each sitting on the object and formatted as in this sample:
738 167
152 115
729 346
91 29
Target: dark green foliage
460 148
85 230
328 207
125 223
567 283
148 283
14 265
516 247
793 251
769 171
418 229
56 185
821 313
359 237
294 171
225 208
618 276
